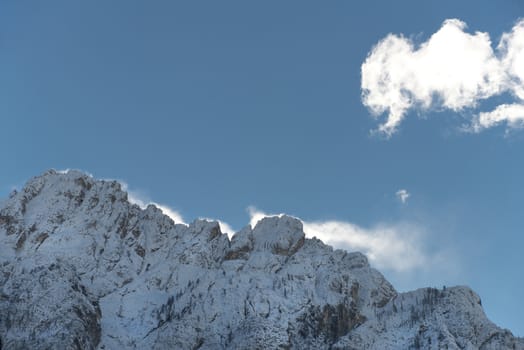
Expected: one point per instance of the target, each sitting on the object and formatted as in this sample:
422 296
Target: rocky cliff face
82 268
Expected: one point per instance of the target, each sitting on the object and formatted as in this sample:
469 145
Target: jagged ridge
81 267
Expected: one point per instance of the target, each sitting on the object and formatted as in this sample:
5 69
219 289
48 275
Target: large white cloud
393 247
452 70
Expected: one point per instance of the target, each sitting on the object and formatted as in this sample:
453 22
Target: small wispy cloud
139 199
135 197
255 215
403 195
452 70
173 214
224 227
142 201
67 170
395 247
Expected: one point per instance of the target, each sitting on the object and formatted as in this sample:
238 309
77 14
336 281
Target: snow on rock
81 267
46 306
279 235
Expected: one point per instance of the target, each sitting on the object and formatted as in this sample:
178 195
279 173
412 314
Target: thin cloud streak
140 200
135 198
395 247
224 227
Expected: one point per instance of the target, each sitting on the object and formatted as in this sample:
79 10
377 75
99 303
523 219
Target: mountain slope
81 267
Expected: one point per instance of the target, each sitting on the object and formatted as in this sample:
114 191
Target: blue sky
211 108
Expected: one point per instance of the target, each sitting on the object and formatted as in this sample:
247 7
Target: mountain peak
82 267
282 235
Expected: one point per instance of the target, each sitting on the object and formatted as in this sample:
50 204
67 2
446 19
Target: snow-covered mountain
83 268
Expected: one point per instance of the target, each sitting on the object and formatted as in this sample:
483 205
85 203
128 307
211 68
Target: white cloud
452 70
255 215
512 114
393 247
135 197
389 247
403 195
224 227
511 47
67 170
173 214
140 200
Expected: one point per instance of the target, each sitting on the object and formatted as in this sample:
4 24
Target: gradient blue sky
211 107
